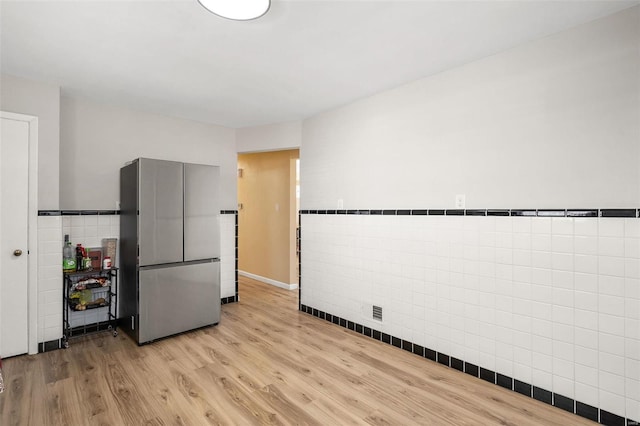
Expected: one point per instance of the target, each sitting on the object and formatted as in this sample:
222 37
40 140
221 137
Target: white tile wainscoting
89 230
549 301
49 278
228 255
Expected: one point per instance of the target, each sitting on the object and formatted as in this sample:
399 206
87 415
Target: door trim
32 231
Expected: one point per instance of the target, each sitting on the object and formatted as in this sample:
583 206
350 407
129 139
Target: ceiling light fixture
238 10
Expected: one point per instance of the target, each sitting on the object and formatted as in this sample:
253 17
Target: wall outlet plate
460 201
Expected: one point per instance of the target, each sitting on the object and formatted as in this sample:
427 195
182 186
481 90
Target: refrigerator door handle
171 265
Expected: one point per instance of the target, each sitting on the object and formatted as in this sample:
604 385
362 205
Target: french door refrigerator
169 248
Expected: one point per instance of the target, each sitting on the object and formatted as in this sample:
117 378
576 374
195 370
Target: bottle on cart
80 255
68 261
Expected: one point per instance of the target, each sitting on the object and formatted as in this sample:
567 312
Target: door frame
32 230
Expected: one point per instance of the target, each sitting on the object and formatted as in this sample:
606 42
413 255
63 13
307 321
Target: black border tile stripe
523 388
418 350
619 213
488 375
562 402
443 359
430 354
97 212
591 213
235 212
542 395
299 253
230 299
610 419
587 411
582 213
552 213
458 364
471 369
526 213
49 213
49 346
504 381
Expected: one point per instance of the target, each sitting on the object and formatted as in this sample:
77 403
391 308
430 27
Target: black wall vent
377 313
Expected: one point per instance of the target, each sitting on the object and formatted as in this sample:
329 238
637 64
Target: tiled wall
548 301
89 228
49 278
229 256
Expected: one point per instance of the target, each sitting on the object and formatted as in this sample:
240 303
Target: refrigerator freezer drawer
178 298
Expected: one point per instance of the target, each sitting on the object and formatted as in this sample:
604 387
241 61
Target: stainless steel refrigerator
169 248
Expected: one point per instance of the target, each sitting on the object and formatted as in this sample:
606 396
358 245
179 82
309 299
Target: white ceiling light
239 10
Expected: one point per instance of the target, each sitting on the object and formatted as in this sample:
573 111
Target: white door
14 214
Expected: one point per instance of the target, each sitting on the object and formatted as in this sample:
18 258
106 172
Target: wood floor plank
265 363
63 404
23 380
243 404
130 402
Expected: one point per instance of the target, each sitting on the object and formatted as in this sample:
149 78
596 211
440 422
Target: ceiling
302 58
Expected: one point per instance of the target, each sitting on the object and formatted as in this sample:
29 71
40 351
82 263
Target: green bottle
68 258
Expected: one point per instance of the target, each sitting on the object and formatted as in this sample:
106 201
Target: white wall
272 137
43 101
553 123
97 140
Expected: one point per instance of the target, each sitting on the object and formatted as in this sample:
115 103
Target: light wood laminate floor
266 363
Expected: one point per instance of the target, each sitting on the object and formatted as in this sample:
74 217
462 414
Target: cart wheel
115 333
110 327
66 345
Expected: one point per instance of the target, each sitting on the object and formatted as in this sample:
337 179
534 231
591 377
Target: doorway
268 193
18 234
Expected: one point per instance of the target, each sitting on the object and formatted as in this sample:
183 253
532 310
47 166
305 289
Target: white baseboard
268 280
